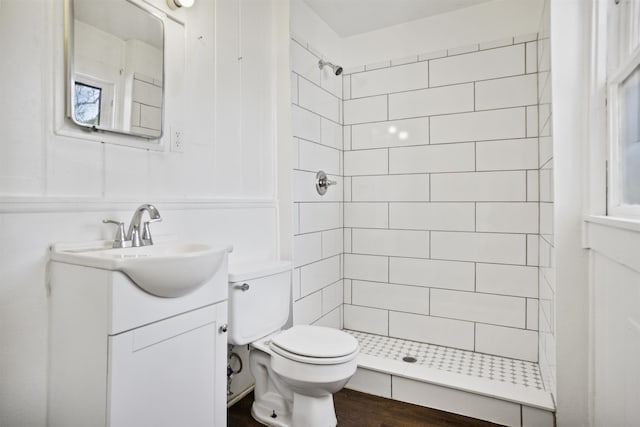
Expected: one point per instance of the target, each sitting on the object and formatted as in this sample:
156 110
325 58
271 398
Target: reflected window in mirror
87 104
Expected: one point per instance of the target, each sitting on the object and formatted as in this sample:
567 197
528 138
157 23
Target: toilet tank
259 299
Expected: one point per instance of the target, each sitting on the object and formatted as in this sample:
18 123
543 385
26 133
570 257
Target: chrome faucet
136 223
133 237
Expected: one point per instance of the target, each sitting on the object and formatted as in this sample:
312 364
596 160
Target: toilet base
265 415
307 412
313 411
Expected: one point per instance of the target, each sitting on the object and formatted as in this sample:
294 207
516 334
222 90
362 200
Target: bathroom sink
167 269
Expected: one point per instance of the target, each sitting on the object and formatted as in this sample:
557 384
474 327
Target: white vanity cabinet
121 357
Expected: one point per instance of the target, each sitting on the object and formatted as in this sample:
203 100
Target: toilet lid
315 341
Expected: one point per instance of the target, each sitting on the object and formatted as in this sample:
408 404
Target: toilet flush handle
244 287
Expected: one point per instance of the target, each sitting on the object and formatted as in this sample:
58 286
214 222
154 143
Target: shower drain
409 359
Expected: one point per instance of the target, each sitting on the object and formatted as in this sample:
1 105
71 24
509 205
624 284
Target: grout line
510 233
389 216
475 156
444 259
475 277
316 85
457 319
442 173
318 114
387 107
391 65
475 107
475 217
350 138
474 336
432 287
421 88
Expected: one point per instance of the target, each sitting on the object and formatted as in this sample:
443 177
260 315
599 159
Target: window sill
614 222
615 238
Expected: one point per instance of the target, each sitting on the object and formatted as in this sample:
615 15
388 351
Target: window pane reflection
630 138
87 104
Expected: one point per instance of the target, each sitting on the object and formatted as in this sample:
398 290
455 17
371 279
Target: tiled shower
441 212
432 233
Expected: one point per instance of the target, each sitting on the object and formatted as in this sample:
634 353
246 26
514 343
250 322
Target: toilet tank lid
316 341
247 270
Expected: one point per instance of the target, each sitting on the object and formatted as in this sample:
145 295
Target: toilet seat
315 345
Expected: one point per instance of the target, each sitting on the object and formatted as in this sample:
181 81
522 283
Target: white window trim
617 73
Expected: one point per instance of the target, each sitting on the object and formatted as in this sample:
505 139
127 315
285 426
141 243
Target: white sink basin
166 269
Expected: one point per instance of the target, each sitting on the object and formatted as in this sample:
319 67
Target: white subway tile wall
545 242
388 80
318 241
396 133
443 179
435 231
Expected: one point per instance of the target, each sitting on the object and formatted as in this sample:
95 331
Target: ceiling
350 17
122 19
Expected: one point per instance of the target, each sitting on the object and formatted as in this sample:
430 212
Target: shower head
337 70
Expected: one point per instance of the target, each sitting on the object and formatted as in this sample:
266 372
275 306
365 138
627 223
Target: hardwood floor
355 409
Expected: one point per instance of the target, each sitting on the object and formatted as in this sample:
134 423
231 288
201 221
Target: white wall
614 261
306 25
482 23
570 56
615 319
57 183
246 55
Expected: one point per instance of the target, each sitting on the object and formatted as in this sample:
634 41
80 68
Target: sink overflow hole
409 359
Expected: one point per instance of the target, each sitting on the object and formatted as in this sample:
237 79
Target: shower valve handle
323 183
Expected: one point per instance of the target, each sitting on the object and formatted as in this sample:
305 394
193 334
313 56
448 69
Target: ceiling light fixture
176 4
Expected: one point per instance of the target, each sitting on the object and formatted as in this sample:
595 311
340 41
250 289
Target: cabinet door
170 373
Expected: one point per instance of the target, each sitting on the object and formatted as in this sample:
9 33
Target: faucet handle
146 233
119 241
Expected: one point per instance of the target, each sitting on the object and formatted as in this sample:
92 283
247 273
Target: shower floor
498 389
494 368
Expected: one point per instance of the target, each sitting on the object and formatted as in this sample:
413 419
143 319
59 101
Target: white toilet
296 370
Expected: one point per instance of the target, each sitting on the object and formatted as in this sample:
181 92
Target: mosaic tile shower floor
495 368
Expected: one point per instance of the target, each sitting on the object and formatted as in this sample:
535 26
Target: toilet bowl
296 370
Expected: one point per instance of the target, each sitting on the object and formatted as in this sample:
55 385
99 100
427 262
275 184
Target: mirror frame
70 80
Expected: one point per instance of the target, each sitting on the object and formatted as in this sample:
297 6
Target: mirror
115 61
